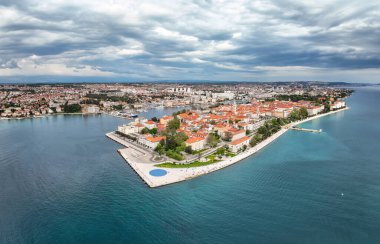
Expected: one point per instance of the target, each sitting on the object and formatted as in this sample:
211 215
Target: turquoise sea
62 181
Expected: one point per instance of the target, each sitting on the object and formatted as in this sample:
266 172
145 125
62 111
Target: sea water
62 181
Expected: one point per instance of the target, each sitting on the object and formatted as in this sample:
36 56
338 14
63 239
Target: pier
307 130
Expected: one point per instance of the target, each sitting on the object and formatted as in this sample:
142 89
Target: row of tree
298 114
269 128
72 108
105 97
175 142
274 125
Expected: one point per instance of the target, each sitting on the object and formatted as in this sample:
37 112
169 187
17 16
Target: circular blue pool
158 172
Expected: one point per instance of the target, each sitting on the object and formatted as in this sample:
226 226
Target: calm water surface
62 181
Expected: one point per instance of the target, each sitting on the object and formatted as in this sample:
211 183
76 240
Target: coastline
319 116
174 175
47 115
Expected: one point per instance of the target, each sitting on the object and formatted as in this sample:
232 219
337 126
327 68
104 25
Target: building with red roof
150 141
150 124
235 133
238 144
188 116
196 143
164 120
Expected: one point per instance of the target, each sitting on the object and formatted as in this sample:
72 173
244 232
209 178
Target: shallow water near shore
62 181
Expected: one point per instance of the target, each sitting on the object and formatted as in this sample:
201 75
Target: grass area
213 158
174 155
230 154
198 151
190 165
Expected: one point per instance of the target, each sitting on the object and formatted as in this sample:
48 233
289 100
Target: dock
306 130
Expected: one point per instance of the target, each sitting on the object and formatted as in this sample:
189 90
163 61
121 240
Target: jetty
306 130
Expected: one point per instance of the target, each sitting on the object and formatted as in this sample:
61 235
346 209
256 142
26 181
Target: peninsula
194 142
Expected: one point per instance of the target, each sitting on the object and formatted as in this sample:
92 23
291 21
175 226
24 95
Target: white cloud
285 68
173 35
171 39
29 66
130 52
292 30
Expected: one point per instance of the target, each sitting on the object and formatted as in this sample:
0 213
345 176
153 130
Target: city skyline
96 41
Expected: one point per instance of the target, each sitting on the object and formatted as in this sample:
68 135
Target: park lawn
190 165
199 151
230 154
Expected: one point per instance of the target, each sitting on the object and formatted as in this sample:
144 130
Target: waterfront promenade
143 166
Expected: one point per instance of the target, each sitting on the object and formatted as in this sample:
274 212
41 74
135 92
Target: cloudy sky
89 40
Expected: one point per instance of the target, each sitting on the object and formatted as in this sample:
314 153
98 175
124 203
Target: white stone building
238 144
196 143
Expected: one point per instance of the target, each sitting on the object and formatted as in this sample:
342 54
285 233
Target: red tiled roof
155 139
167 117
188 116
194 139
220 126
236 131
239 141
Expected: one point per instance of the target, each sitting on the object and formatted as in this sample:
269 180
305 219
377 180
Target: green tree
170 143
160 149
252 142
174 124
212 140
303 113
327 107
181 147
221 151
189 150
176 141
256 139
144 131
174 155
180 137
179 112
153 131
263 130
281 121
294 115
117 107
72 108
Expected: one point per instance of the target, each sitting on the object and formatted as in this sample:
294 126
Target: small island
190 143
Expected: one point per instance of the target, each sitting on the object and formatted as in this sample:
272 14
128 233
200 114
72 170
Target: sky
278 40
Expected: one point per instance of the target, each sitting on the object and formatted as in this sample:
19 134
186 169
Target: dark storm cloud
8 64
169 40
